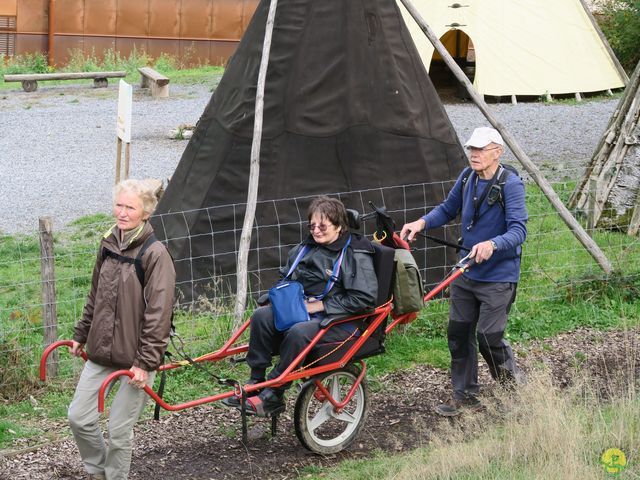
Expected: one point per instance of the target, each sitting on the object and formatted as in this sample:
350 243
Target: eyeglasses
485 149
322 227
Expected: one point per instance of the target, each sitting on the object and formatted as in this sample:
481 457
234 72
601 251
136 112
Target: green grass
545 433
561 289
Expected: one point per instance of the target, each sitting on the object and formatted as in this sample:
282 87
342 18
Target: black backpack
137 262
495 193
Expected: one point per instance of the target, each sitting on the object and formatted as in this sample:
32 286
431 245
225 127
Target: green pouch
408 290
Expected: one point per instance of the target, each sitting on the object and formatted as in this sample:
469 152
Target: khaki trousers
113 461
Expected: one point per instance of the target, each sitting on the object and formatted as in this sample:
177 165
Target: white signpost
123 127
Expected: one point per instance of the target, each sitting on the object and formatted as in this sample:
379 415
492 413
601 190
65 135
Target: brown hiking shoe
454 407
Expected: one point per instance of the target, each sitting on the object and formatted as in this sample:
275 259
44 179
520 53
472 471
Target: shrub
166 63
27 63
111 60
620 23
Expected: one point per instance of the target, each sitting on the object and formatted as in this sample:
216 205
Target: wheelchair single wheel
318 427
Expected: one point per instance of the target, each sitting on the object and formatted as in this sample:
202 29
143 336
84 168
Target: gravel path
58 144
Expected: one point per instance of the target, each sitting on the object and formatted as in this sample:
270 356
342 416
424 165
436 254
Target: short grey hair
143 189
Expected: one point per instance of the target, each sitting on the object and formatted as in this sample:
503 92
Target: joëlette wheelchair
333 399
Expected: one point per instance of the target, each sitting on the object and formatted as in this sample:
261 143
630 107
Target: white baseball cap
483 136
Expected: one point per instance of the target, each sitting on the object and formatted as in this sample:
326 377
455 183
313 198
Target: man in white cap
491 201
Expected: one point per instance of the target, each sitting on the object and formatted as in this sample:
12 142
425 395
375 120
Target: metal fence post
48 282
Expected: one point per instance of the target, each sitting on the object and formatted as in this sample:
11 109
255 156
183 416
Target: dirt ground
204 442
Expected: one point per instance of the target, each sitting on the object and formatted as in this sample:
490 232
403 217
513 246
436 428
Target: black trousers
265 341
478 318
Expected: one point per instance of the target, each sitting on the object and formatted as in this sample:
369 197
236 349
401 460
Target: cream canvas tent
521 47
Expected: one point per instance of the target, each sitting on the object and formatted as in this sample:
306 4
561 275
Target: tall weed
540 432
111 60
26 63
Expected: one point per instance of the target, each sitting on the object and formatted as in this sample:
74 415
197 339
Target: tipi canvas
348 108
521 47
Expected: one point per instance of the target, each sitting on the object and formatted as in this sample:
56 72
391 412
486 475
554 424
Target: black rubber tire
333 433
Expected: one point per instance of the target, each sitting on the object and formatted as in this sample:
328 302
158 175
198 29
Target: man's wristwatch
493 245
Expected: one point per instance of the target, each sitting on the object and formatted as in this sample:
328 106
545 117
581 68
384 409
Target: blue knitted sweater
505 226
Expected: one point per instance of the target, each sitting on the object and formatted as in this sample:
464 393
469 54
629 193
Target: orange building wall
8 7
196 31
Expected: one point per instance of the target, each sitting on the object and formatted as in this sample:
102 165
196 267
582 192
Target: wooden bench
30 80
158 83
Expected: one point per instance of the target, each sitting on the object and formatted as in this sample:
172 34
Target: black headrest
383 262
353 217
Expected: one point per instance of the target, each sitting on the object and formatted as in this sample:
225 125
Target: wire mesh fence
556 269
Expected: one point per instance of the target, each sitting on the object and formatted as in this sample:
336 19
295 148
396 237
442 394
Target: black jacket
357 287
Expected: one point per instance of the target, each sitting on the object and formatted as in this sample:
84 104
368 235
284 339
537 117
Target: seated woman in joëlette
354 291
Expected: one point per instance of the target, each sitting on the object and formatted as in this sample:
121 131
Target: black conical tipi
348 107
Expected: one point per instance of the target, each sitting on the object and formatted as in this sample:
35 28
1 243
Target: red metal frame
338 406
51 348
291 373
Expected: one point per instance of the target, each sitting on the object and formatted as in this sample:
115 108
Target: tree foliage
620 22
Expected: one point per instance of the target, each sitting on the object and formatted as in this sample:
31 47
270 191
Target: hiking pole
443 242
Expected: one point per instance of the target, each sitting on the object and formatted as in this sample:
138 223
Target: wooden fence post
591 212
48 282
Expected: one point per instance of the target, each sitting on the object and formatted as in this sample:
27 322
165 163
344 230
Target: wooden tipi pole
254 173
616 63
590 245
597 168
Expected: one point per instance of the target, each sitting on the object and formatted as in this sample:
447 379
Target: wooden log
608 163
127 159
254 173
62 76
619 181
148 73
634 223
619 208
579 197
589 244
591 219
155 81
118 159
48 282
29 85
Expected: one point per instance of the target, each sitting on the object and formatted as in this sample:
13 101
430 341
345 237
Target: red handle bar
47 352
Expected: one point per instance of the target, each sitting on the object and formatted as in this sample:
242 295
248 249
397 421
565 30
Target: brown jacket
119 326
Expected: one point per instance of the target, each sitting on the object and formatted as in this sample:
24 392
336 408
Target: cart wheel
318 427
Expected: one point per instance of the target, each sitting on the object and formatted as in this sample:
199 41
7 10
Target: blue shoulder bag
287 296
